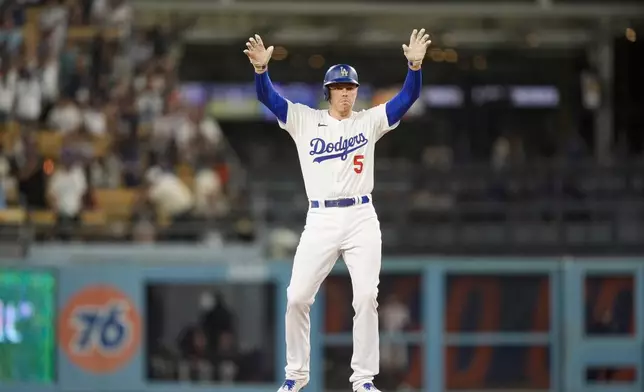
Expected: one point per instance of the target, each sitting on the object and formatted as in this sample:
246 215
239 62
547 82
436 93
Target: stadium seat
115 203
144 130
12 216
163 220
102 146
10 134
33 15
94 218
31 31
12 195
49 143
42 218
82 33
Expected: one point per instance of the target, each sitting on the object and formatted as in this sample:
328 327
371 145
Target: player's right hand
418 43
258 55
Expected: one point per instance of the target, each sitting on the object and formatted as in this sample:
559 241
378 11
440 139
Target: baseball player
336 152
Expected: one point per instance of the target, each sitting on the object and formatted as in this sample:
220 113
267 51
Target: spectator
99 11
204 157
106 172
50 76
28 164
28 96
112 13
501 153
74 13
172 199
99 58
66 190
10 34
216 319
227 359
94 118
395 317
208 191
128 149
53 22
200 131
68 63
163 140
65 117
8 81
79 82
81 144
210 128
121 15
15 10
144 223
141 50
196 363
149 103
283 242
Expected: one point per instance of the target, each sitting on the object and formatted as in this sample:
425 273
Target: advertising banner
99 327
27 327
239 101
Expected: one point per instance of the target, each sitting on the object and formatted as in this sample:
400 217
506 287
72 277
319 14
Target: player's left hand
418 43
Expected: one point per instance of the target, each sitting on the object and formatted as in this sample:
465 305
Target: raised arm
397 106
259 57
267 95
415 52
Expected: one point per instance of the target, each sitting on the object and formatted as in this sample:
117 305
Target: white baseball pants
354 233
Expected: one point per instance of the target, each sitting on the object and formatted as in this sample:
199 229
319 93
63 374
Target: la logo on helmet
343 71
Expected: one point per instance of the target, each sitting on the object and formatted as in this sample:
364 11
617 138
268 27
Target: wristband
416 65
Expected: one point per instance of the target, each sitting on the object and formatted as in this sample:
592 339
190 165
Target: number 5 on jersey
357 163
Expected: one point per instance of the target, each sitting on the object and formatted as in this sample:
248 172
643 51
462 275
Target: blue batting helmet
339 73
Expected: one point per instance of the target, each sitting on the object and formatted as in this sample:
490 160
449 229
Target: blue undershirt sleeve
400 104
267 95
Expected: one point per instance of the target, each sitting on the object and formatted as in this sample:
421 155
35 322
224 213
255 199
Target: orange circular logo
99 329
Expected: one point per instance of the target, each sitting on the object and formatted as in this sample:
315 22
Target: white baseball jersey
336 156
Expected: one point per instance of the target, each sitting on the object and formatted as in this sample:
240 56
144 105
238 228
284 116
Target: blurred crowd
93 131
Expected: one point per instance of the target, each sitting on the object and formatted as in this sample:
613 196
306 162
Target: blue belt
347 202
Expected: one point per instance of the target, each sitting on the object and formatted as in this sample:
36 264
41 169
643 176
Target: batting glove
258 55
415 52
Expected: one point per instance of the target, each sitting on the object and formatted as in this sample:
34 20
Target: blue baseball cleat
292 386
367 387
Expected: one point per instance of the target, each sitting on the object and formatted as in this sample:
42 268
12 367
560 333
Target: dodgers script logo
324 151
